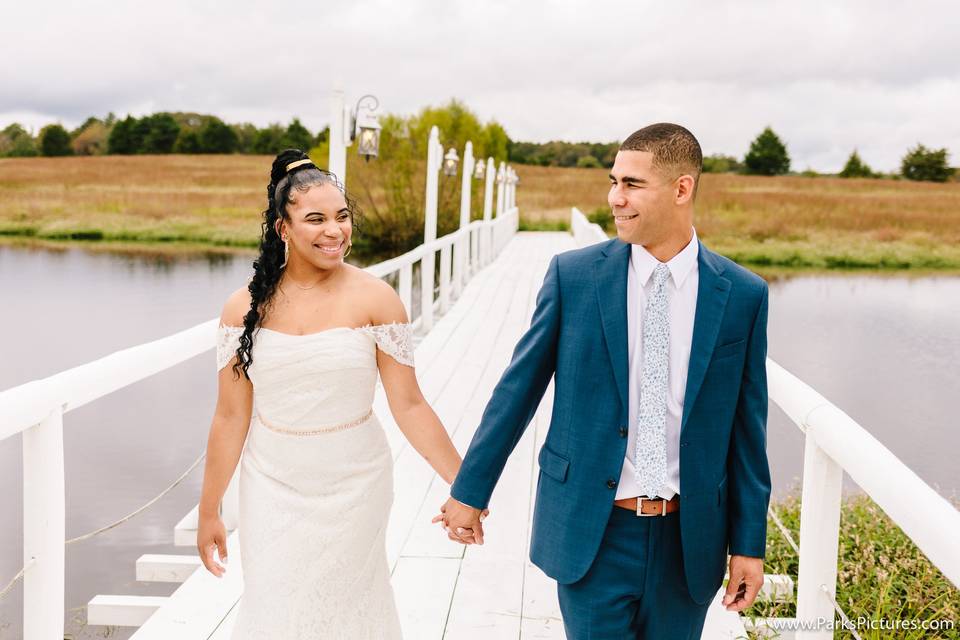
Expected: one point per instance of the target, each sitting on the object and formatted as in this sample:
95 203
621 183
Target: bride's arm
228 431
416 419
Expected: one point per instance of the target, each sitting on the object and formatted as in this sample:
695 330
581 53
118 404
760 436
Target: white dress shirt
682 296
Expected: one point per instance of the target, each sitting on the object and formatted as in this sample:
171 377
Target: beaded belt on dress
309 432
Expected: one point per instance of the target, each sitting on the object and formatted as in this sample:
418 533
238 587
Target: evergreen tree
124 137
767 155
55 141
187 142
855 167
269 140
297 136
161 133
216 137
322 136
921 163
246 135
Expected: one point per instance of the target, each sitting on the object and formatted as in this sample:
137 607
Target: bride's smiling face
318 226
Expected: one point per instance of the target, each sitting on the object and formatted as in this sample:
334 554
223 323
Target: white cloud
828 77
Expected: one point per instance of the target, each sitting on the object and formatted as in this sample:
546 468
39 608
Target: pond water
884 348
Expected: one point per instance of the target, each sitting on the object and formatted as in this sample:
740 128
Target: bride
299 351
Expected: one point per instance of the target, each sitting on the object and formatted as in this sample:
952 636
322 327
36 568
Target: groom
654 466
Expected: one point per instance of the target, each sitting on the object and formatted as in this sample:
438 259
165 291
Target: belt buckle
663 508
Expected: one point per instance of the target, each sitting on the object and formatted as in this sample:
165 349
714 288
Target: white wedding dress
316 485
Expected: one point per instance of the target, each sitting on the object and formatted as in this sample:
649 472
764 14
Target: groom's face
640 198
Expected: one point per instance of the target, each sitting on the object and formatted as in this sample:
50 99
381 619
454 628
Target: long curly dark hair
267 268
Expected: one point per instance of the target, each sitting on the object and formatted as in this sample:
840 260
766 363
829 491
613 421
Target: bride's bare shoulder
382 302
235 308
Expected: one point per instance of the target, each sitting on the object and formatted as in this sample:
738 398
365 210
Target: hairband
293 165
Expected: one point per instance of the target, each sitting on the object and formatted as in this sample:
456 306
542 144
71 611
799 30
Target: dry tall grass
789 221
216 201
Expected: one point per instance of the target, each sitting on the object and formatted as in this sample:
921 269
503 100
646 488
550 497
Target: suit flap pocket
553 465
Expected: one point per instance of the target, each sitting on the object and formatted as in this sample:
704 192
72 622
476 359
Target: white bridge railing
836 443
36 408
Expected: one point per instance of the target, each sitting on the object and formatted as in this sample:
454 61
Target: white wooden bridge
489 277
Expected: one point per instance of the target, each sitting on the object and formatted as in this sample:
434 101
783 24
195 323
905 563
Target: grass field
189 203
881 572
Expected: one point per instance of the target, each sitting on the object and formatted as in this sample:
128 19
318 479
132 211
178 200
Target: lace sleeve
395 340
228 341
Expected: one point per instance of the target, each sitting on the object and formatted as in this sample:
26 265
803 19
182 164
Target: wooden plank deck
444 589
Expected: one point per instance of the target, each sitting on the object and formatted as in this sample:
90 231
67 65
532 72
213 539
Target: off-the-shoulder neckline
316 333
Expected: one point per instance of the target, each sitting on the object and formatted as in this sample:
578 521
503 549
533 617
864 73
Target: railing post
405 287
44 529
466 181
819 538
483 236
434 158
445 278
337 156
501 188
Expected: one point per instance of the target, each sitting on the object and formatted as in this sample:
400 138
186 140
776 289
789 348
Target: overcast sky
827 76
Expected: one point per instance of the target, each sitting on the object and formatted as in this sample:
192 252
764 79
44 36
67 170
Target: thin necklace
303 288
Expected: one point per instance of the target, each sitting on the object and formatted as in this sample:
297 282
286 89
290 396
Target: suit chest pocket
729 349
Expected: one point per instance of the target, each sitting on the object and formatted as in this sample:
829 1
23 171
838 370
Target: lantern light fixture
450 162
366 127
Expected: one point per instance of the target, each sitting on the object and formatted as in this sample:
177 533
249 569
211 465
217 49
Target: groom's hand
462 522
746 578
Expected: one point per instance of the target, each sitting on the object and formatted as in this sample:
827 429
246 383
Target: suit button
611 483
623 432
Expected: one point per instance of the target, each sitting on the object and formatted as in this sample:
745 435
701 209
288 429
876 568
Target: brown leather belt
648 507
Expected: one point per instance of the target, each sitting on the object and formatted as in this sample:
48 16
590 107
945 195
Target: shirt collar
680 265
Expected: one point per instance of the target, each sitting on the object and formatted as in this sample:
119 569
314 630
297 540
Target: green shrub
921 163
719 163
588 162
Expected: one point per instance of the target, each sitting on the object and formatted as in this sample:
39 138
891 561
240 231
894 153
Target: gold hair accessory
293 165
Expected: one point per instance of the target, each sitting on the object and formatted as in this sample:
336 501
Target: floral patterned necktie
650 461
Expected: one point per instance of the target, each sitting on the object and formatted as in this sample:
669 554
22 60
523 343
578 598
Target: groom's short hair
675 150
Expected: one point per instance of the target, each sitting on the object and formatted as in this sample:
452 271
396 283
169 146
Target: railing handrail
909 501
25 405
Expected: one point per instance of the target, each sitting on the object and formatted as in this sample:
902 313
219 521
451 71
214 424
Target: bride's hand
211 534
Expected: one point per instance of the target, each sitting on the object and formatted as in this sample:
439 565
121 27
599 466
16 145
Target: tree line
767 156
156 133
199 133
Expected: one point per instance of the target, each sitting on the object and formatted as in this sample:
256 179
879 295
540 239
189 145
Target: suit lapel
610 281
712 292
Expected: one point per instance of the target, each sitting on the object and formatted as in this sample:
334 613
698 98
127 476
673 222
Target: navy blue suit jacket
578 335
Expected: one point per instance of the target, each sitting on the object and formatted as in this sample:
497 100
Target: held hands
746 578
211 534
462 523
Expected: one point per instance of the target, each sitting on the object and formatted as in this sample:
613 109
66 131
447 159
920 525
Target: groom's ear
685 187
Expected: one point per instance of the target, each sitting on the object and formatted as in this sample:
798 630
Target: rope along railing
796 548
112 525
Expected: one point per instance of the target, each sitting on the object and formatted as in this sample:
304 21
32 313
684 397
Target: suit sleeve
747 469
515 399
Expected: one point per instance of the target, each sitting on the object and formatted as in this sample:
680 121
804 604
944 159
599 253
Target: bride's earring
286 253
349 248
